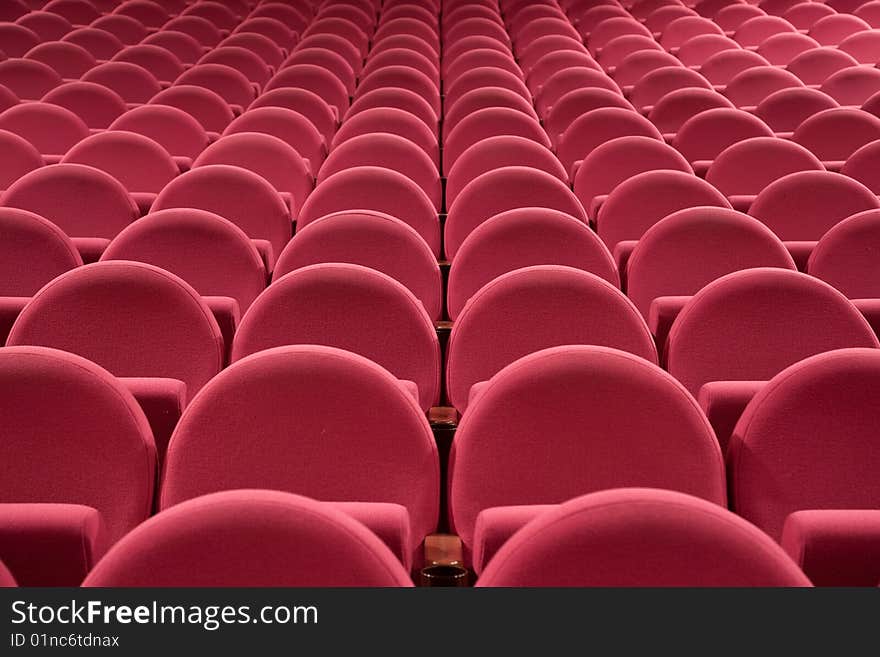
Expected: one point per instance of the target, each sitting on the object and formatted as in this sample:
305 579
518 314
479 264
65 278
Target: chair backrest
46 25
755 31
563 408
853 85
393 120
134 319
262 46
490 122
619 159
831 30
638 203
291 127
183 46
805 441
161 62
107 458
817 65
722 548
598 127
176 130
241 196
125 28
749 325
521 238
391 152
654 85
314 78
34 251
401 99
638 64
747 167
862 166
204 105
288 433
723 66
19 157
263 533
577 102
372 239
241 59
781 48
227 82
132 82
496 152
18 39
705 135
97 105
67 59
698 49
682 253
81 200
375 188
350 307
835 134
52 129
575 307
505 189
210 253
749 88
671 111
307 103
267 156
269 27
805 205
138 162
845 256
786 109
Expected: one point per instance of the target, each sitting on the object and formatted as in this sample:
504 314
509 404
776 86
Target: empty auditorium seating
300 543
442 187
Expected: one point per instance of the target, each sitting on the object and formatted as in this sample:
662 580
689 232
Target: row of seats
607 419
575 218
